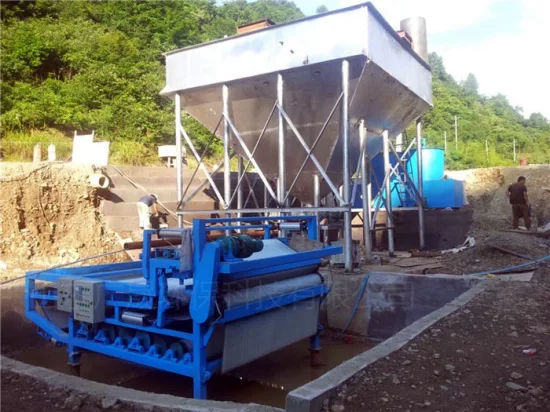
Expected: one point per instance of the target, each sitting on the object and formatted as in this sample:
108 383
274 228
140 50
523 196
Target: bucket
99 181
523 162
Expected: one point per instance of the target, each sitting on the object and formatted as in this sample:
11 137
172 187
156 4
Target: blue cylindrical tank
433 168
433 164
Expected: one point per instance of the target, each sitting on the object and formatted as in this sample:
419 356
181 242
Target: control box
65 294
89 300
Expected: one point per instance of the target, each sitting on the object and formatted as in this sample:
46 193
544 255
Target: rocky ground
473 360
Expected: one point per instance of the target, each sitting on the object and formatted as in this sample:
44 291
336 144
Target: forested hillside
74 65
481 119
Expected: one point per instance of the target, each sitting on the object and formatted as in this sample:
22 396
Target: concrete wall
391 301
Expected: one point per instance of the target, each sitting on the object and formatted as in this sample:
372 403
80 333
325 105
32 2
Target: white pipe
179 159
387 172
420 185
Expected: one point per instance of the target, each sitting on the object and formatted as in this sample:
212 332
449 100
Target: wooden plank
415 261
510 252
420 253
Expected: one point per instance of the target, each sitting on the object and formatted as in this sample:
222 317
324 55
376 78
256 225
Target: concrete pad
309 398
395 300
391 301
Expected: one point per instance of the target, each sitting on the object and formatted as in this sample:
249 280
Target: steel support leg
387 171
199 361
281 181
344 127
420 185
365 175
282 173
179 159
317 201
240 189
226 150
315 349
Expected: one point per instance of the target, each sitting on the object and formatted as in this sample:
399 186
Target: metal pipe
358 168
266 203
335 209
251 192
203 155
239 182
199 188
240 188
388 171
364 193
382 186
420 183
360 210
317 200
314 145
344 124
179 159
313 158
251 158
416 28
399 142
412 192
202 166
281 195
226 149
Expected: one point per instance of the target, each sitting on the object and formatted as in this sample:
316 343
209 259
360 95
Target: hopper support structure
304 107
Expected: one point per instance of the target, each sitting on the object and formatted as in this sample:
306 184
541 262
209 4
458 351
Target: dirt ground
24 394
469 361
485 191
472 360
49 216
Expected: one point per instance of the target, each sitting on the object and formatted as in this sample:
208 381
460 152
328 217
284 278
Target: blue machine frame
156 266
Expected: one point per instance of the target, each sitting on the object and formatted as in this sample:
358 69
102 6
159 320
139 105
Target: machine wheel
109 331
125 334
160 344
144 339
178 349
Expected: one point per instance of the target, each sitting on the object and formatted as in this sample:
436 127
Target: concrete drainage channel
394 306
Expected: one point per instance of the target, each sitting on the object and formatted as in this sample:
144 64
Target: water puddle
264 381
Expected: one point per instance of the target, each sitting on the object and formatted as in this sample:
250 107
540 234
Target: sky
504 43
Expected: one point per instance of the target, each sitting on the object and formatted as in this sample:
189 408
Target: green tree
321 9
470 85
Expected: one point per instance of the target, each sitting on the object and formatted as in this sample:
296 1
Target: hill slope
70 65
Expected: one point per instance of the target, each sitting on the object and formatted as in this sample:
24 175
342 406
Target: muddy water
264 381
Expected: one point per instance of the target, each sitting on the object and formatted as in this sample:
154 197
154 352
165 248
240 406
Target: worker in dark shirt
145 206
517 193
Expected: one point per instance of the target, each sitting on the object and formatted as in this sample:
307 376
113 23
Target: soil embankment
49 216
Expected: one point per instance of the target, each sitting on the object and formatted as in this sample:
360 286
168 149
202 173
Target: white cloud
516 64
441 15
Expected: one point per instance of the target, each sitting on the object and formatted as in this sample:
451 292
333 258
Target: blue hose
523 265
356 306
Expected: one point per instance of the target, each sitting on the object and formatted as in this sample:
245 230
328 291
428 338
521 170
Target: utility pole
487 149
456 132
445 134
514 150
